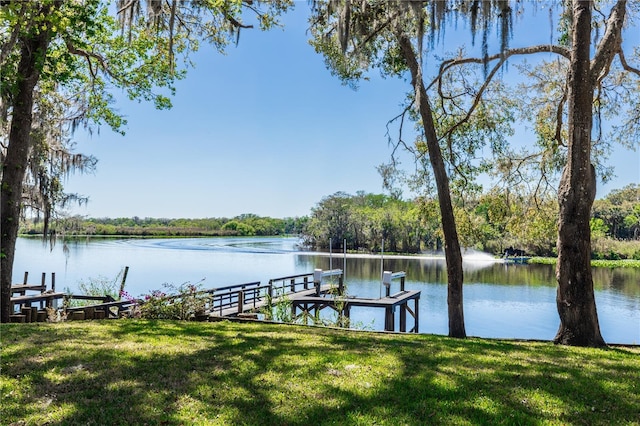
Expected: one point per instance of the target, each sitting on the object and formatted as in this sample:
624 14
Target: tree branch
90 55
558 135
235 22
610 43
544 48
172 21
400 141
502 58
477 98
13 38
128 5
625 65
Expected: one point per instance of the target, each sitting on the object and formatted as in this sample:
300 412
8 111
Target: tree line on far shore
243 225
490 222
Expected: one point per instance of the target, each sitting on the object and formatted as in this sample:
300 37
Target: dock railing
224 301
290 284
240 298
250 297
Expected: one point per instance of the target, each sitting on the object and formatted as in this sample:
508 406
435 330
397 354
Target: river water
500 300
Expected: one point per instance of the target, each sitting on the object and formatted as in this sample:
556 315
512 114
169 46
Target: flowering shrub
186 302
134 310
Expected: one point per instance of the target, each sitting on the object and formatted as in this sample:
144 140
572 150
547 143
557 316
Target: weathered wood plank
105 308
17 318
19 288
42 297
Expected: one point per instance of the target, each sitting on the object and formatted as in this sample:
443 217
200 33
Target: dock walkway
309 294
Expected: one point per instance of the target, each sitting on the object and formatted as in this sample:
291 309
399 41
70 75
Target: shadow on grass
140 372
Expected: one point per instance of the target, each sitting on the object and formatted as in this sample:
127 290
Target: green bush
99 286
611 249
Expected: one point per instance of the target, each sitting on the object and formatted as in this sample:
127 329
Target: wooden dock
307 296
246 298
28 306
309 303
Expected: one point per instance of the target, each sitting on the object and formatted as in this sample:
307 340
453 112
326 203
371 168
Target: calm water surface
505 301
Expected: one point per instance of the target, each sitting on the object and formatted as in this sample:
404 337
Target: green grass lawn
135 372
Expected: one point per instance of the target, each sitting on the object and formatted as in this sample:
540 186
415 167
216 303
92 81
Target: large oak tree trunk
575 296
452 251
32 53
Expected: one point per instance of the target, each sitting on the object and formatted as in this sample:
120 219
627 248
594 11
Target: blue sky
264 129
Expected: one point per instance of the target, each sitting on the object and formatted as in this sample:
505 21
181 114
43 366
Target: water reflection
434 270
500 300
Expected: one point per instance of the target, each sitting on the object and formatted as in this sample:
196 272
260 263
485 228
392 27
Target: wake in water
472 255
229 245
468 255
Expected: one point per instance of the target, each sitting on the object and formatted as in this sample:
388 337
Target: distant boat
522 260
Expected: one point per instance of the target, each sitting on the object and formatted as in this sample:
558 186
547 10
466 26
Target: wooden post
16 318
43 289
416 312
53 282
402 283
293 285
240 301
26 277
389 319
89 312
26 311
403 317
76 315
124 278
306 283
340 286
